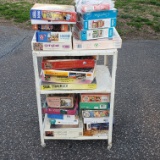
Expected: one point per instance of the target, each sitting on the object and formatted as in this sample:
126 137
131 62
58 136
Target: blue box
99 14
45 36
85 35
98 23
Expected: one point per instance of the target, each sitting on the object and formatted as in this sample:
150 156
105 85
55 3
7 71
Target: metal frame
106 53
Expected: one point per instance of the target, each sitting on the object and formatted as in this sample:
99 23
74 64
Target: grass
134 16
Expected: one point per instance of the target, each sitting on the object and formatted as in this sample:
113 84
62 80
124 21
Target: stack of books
53 26
68 73
95 112
95 28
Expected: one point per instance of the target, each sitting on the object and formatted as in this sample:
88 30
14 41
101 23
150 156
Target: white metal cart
105 84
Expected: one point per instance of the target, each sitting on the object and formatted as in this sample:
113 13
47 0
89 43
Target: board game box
68 63
97 129
95 24
95 113
49 46
98 14
95 97
70 111
96 120
52 12
63 86
47 36
94 105
104 43
60 100
83 73
51 27
61 116
62 131
93 34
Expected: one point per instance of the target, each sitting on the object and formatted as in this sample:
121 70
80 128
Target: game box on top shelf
85 35
105 43
54 13
95 24
98 14
49 46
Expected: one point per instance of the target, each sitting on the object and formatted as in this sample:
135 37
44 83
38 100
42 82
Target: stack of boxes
95 28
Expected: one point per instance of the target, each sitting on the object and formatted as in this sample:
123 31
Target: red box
68 63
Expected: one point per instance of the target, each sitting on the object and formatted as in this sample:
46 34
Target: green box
94 105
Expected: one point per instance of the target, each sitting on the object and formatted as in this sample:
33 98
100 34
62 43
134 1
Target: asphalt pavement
136 134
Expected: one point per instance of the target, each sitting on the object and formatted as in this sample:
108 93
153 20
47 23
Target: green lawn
134 16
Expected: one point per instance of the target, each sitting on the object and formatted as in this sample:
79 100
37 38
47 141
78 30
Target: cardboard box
93 34
95 24
68 63
53 12
94 105
95 113
46 36
51 27
49 46
105 43
96 120
62 131
60 101
99 14
95 97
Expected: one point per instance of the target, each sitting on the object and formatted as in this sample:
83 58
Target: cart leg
38 96
109 146
105 60
111 117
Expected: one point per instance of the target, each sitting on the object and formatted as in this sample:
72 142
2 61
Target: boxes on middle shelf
70 73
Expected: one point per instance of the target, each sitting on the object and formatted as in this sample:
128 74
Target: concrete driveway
136 133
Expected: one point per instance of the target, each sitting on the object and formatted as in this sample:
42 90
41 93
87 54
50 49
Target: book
85 35
47 36
103 43
52 12
63 86
83 73
94 105
95 113
62 101
51 27
68 63
95 97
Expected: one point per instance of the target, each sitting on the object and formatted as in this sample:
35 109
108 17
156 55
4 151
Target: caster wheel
109 147
43 145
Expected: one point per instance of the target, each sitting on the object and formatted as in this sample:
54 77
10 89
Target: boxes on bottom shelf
60 101
95 97
49 46
94 105
97 129
96 120
61 132
105 43
95 113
